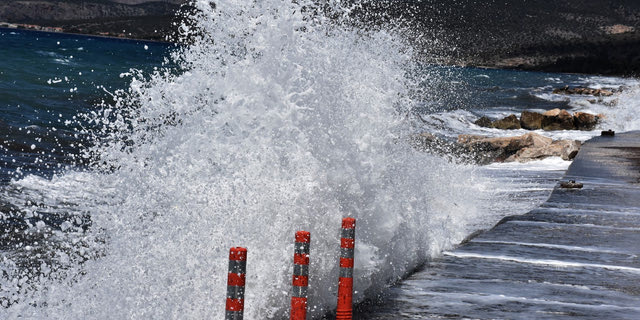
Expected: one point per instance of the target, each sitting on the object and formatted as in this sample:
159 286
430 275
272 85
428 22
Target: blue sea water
123 189
47 80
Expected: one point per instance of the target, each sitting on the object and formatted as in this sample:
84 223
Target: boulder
487 150
529 154
584 121
571 184
508 143
566 149
468 138
608 133
527 147
557 119
569 148
552 113
531 120
509 123
483 122
603 92
431 143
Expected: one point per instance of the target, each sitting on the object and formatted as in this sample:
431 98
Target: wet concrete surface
574 256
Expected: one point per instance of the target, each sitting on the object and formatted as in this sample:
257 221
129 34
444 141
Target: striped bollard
345 282
300 276
235 283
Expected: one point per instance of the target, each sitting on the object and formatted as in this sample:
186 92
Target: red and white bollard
235 283
300 276
345 282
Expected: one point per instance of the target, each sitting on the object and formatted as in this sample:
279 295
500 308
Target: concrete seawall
574 256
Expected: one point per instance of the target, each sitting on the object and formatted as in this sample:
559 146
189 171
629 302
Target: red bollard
235 283
345 282
300 276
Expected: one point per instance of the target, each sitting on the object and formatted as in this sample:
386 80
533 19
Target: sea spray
274 120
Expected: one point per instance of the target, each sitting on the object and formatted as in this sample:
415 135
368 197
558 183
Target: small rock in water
584 121
608 133
571 184
508 123
557 119
531 120
484 121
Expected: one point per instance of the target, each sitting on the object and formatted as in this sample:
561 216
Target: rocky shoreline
573 36
555 119
480 149
135 19
485 150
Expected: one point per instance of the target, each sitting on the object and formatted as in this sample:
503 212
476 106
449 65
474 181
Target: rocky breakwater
586 91
485 150
555 119
531 146
524 148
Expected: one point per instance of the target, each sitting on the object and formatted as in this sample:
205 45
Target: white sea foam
547 164
500 299
554 246
544 262
277 120
572 225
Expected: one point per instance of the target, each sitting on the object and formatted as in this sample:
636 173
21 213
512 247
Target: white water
278 122
545 262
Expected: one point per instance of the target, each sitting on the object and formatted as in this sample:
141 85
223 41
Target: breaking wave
274 118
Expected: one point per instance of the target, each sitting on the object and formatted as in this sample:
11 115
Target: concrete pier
574 256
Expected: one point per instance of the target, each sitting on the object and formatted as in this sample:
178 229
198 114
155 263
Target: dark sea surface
47 80
236 148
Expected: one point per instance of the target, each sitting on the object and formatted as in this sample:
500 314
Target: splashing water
278 120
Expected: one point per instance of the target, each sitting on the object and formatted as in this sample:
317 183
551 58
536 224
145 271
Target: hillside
582 36
130 18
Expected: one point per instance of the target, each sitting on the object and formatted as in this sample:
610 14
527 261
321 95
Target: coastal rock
584 121
527 147
608 133
571 184
531 120
508 123
584 91
506 143
557 119
570 148
484 122
469 138
566 149
487 150
553 112
429 142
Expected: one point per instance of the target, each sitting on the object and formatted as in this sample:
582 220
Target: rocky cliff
583 36
131 18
